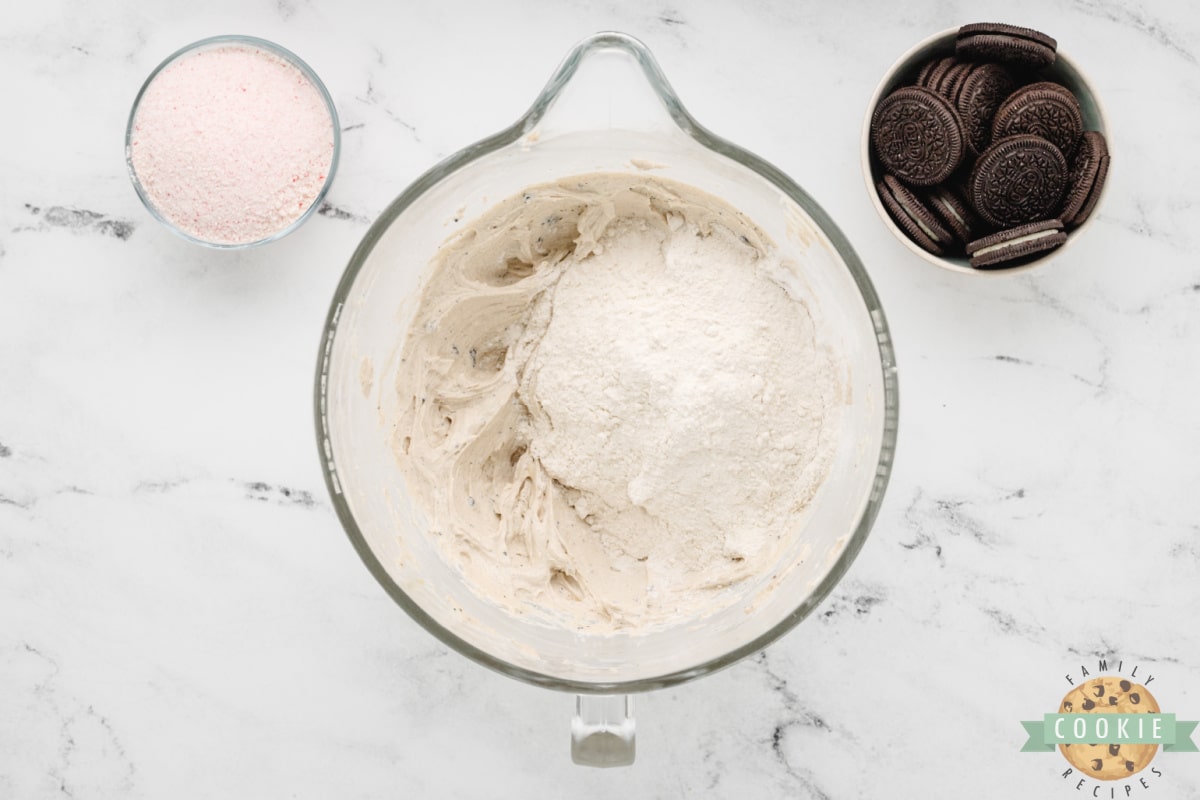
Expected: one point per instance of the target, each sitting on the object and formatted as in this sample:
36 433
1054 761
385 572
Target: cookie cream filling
917 219
949 209
1019 240
613 411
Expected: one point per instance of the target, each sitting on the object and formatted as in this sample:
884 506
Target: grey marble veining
181 616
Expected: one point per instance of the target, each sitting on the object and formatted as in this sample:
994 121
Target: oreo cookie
921 225
983 89
1088 173
1044 109
952 209
1018 179
943 82
1017 245
917 136
994 41
952 83
932 73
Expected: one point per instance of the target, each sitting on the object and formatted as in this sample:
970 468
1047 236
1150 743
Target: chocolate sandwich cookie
932 73
1109 695
956 213
994 41
917 136
1018 179
984 88
1014 246
1088 172
1043 109
913 216
952 83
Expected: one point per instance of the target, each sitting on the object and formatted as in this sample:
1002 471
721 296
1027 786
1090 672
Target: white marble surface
181 615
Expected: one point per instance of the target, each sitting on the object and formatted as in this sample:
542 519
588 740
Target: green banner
1055 729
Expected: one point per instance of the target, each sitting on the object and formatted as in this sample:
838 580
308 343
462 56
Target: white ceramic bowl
904 72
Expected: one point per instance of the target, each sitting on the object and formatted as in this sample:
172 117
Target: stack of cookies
983 154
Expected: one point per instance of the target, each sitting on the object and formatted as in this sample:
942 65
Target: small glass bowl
904 72
212 43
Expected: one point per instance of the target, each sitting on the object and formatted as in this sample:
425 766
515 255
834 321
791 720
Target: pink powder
232 144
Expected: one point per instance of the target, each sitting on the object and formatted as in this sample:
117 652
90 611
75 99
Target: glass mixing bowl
608 108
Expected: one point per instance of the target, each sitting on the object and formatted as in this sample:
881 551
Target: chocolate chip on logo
1068 706
1129 765
1113 749
1088 705
1135 698
1097 764
1126 686
1112 699
1099 690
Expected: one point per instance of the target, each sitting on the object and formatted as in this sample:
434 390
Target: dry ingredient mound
231 144
613 409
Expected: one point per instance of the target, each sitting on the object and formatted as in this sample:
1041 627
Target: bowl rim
277 50
525 124
937 41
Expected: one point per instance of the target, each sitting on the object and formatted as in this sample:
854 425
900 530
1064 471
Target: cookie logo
1109 728
1109 695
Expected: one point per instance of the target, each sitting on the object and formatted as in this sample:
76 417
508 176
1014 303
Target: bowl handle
602 730
608 81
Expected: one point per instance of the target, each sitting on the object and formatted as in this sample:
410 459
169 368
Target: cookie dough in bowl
612 408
